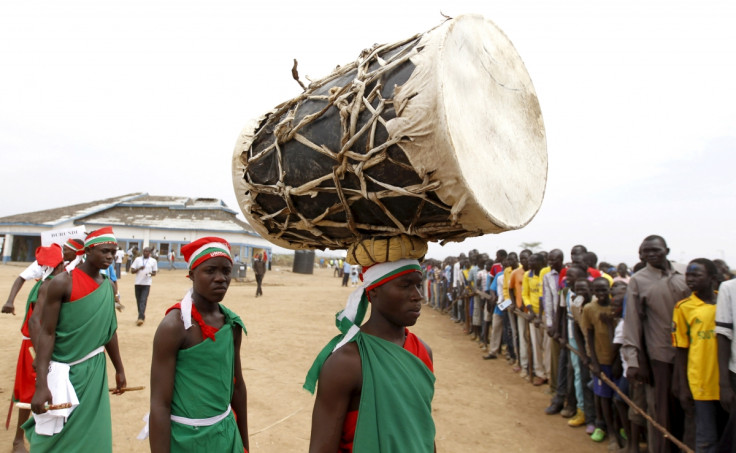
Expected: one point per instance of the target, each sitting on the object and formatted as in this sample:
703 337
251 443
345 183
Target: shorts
623 384
600 388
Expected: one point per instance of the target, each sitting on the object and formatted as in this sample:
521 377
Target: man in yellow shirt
531 295
695 381
515 289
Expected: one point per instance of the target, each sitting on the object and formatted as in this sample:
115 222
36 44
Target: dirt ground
479 405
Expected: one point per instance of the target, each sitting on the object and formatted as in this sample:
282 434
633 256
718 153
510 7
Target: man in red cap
77 324
51 262
191 404
73 249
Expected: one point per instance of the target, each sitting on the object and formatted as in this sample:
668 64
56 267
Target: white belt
99 350
201 421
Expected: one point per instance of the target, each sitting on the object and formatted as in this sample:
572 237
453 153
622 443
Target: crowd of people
630 355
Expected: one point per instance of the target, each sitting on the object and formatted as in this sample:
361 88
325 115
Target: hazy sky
101 98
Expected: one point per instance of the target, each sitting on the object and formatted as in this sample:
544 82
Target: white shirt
119 256
145 267
725 317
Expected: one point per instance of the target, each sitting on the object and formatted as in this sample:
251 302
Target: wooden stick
49 407
666 434
128 389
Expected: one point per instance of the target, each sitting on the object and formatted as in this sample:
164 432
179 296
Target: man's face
582 288
69 254
576 254
101 256
697 278
535 263
512 260
601 290
524 260
654 253
555 260
146 252
211 279
573 274
399 301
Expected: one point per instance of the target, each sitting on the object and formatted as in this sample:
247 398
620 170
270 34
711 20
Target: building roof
141 210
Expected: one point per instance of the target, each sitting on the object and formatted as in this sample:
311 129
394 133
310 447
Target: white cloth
62 391
618 338
726 317
145 266
119 256
33 272
74 263
209 421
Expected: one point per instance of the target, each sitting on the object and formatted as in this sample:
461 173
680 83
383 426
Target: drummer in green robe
78 325
198 396
376 379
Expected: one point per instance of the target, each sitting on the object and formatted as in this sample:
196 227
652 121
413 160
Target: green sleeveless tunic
83 326
203 388
395 412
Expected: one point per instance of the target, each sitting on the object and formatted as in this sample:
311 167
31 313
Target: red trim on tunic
24 328
25 375
82 284
411 344
207 330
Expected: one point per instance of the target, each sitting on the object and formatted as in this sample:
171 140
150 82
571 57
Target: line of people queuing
660 333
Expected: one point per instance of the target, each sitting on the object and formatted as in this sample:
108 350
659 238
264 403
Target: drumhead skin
439 136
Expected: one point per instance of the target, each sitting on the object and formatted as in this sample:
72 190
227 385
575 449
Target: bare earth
479 405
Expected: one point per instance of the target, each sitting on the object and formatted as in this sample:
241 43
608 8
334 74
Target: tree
533 246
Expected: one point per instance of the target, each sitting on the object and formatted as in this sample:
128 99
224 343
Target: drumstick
49 407
128 389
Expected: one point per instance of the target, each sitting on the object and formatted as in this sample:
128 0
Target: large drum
439 136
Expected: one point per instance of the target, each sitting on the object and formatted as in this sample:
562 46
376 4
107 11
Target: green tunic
395 412
203 388
83 326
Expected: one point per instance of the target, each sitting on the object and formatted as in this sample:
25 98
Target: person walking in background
345 272
144 267
259 269
119 262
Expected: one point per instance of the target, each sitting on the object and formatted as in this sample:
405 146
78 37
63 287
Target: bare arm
680 386
595 365
166 344
239 401
9 306
114 352
34 323
57 292
339 381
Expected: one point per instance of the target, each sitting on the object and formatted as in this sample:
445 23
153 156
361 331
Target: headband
75 244
351 317
204 249
101 236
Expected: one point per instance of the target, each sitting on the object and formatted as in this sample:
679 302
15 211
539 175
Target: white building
139 220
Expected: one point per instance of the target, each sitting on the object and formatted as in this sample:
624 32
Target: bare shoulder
170 332
343 365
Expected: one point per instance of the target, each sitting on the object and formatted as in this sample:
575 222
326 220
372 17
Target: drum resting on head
438 137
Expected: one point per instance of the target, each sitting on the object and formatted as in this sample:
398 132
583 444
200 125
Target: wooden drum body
439 136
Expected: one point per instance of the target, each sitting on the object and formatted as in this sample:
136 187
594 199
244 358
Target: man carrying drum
379 367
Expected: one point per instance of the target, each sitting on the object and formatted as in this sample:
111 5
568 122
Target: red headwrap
49 256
